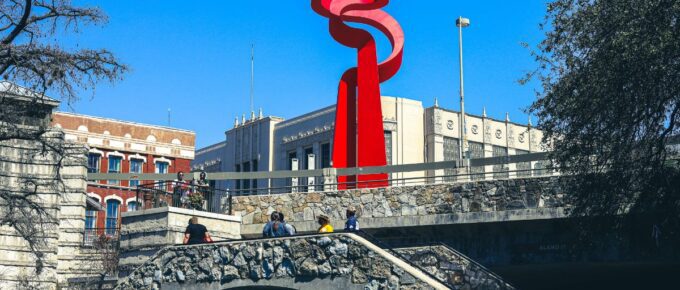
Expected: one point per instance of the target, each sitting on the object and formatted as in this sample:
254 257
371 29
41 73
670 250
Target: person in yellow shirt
325 223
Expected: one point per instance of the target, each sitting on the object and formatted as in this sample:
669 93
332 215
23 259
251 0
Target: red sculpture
359 139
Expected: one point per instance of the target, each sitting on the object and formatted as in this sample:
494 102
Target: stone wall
36 163
339 261
457 270
73 260
408 204
145 232
21 166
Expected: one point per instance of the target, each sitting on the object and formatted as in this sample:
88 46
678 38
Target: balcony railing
183 195
100 237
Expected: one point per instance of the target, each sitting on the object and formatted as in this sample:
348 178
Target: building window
325 155
388 146
305 180
238 181
112 207
114 167
162 167
523 168
476 150
133 206
93 160
451 153
499 170
246 183
291 155
255 169
90 226
136 166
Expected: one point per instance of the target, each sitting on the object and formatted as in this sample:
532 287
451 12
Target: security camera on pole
461 23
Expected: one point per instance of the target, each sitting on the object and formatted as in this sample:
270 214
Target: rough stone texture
450 266
402 203
303 262
61 188
145 232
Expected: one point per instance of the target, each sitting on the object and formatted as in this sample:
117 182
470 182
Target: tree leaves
609 101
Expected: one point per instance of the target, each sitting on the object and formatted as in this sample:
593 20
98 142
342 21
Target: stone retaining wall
458 271
405 201
144 232
313 262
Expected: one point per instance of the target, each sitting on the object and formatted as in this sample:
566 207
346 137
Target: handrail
360 233
477 264
520 158
390 249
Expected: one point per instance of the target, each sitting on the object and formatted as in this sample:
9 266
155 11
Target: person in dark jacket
196 233
351 225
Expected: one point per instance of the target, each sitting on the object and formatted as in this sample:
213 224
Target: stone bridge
330 261
408 206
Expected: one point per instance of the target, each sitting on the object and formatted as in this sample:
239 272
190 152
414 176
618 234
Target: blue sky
195 59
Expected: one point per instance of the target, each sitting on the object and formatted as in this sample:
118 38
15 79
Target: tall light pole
460 23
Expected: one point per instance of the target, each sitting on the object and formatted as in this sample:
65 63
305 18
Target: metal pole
462 94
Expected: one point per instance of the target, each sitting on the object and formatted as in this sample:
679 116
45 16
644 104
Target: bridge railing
183 195
326 179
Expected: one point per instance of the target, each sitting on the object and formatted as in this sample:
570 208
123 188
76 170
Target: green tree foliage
610 89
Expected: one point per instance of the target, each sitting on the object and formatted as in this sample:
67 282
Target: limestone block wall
380 206
73 260
145 232
25 167
336 261
457 270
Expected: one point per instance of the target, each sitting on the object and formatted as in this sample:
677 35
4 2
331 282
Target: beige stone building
413 134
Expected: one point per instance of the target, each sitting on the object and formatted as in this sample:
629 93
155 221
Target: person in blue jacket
275 227
351 225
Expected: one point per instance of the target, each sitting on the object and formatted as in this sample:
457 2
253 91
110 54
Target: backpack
282 230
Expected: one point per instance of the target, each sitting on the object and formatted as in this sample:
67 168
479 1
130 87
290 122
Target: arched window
136 166
133 206
112 207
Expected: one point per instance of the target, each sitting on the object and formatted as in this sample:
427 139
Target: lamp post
460 23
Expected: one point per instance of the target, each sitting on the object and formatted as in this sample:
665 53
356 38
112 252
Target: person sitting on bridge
275 227
289 227
196 233
325 223
351 225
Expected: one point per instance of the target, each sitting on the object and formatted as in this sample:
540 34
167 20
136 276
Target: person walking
196 233
289 227
325 223
351 225
275 227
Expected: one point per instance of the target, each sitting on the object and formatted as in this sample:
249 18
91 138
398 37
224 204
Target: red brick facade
125 141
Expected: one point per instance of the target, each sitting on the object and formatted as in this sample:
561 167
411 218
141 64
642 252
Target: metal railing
326 179
183 195
98 237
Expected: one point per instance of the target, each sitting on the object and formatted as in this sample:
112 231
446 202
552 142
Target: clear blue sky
195 59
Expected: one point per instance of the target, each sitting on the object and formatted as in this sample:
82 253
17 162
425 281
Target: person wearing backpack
275 227
289 227
351 225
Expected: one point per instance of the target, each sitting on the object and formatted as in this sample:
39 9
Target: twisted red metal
359 139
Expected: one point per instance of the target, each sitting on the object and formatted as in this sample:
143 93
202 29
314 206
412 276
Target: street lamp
460 23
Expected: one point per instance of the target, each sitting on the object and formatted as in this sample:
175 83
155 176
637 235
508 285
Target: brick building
124 147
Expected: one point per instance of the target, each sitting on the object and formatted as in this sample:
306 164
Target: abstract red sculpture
359 139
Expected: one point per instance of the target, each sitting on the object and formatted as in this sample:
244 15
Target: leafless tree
34 64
